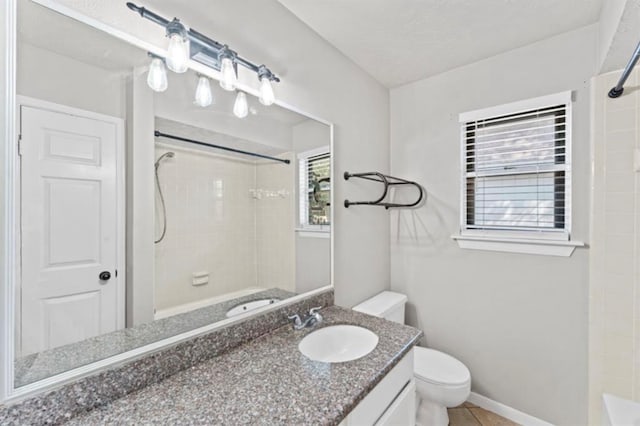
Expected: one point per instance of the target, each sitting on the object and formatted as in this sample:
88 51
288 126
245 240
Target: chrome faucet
312 319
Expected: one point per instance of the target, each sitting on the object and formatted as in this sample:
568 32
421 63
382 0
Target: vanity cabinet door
395 392
403 410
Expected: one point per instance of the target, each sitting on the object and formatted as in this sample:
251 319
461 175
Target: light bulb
229 78
266 92
240 107
157 76
204 98
178 53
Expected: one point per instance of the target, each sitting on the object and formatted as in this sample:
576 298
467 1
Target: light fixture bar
204 49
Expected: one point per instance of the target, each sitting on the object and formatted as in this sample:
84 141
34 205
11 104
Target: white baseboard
505 411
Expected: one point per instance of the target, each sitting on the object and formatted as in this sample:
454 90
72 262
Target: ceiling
400 41
68 37
625 38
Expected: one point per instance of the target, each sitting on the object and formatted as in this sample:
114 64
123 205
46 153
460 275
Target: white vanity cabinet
391 402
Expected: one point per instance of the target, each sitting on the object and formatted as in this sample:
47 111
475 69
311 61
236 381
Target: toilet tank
388 305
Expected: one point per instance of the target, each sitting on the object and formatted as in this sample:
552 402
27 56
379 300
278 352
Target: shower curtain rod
159 134
618 89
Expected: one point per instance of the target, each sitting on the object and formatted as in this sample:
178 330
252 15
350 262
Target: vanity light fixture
240 107
189 44
204 97
178 50
228 70
157 75
266 90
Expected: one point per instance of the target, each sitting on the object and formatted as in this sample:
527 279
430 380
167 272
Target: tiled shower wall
614 328
275 219
210 227
216 226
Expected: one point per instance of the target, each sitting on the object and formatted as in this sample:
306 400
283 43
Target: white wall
313 266
614 314
49 76
519 322
313 254
176 103
140 196
309 135
315 78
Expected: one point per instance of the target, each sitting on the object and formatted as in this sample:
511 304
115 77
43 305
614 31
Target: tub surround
85 394
266 381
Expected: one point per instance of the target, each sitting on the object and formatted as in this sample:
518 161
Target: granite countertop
266 381
38 366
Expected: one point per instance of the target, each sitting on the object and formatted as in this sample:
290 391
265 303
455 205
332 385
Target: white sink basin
338 343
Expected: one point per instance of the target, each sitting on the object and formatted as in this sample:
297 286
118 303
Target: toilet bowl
441 380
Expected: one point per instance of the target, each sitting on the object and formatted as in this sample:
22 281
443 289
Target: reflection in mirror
233 233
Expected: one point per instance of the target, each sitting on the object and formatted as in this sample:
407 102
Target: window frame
304 227
534 241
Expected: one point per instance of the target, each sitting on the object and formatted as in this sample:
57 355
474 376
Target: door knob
104 276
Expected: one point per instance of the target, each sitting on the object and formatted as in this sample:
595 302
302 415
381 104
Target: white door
69 229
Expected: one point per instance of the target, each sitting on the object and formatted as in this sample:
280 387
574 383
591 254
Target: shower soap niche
200 278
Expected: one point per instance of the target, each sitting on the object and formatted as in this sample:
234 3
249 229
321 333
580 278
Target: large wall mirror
128 237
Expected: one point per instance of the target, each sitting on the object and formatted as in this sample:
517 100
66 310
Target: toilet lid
437 367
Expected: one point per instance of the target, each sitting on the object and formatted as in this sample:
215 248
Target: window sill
313 233
518 245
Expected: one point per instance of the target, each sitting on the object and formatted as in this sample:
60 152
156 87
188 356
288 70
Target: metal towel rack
387 181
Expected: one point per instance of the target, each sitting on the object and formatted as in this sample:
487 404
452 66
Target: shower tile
620 202
626 101
623 119
617 139
620 182
620 223
621 387
619 161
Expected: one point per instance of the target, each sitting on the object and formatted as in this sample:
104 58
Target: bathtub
619 412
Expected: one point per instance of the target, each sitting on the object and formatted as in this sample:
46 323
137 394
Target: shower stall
215 239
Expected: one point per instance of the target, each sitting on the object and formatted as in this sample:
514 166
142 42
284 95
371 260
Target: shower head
169 154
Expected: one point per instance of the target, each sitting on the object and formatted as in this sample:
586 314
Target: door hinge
116 273
20 145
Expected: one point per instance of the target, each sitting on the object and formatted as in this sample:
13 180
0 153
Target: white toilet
441 380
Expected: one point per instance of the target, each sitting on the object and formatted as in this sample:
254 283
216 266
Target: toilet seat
439 368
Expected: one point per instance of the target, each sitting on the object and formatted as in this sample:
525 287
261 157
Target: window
517 172
315 189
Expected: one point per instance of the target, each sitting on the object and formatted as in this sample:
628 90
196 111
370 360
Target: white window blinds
516 170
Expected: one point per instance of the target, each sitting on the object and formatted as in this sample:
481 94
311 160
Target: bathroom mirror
143 215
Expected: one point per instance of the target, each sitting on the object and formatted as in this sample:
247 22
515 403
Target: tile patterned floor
468 414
